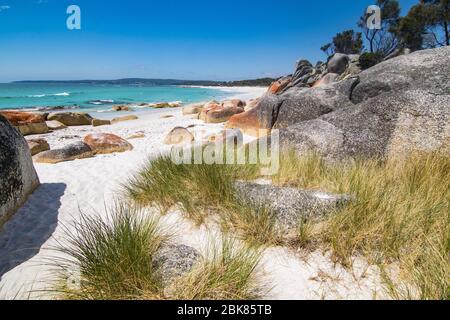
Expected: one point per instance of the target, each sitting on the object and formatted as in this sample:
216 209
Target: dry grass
401 215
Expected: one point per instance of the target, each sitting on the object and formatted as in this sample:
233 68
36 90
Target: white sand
28 239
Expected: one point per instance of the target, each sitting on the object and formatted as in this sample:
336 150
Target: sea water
97 97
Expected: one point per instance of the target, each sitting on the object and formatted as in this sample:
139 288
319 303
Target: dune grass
204 192
400 216
113 260
228 273
113 257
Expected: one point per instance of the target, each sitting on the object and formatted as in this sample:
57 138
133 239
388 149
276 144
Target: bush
369 59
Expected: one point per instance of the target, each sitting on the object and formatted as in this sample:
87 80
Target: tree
426 25
347 42
385 40
437 17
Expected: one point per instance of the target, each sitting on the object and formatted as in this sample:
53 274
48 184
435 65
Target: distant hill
163 82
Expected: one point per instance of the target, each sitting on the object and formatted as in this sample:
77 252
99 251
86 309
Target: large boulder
77 150
104 143
37 146
26 122
179 135
71 118
390 125
221 112
18 178
290 205
295 105
425 69
233 103
306 104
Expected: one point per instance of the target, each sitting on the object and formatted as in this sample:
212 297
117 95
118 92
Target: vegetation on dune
400 216
228 273
113 259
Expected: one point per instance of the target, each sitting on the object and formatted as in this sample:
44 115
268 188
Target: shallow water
97 97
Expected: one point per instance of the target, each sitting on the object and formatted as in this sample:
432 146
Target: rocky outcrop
71 118
426 69
290 205
26 122
37 146
124 118
179 135
390 125
234 103
394 108
175 260
18 178
104 143
77 150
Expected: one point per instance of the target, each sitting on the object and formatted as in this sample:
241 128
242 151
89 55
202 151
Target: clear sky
182 39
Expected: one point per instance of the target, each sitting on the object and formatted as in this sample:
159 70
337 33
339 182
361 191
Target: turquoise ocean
96 97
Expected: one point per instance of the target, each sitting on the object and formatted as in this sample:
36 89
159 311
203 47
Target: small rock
71 118
137 135
124 118
167 116
77 150
99 122
179 135
174 261
192 109
55 125
37 146
104 143
121 108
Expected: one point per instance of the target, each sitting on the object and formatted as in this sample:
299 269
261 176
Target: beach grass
229 272
113 260
400 216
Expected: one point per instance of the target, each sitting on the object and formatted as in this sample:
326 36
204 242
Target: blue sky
197 39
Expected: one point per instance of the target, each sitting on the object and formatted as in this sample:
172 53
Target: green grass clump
113 257
401 214
113 260
228 273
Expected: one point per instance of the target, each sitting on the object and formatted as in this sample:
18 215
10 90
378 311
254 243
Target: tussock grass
204 191
228 273
401 215
112 259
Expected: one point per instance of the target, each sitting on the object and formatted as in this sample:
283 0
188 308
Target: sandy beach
89 186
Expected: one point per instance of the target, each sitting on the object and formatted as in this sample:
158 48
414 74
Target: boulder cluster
396 107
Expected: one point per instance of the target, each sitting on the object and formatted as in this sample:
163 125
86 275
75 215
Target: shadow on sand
23 235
